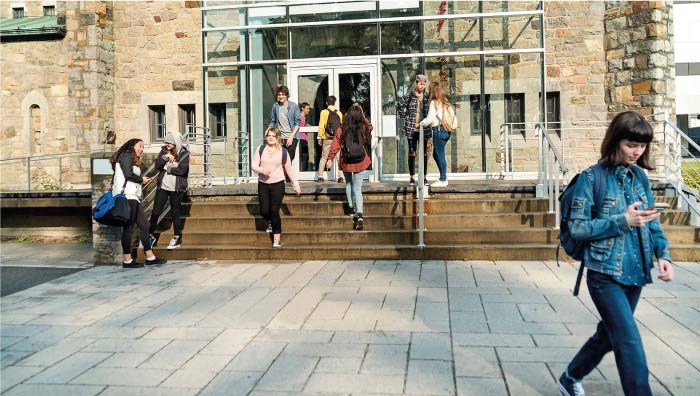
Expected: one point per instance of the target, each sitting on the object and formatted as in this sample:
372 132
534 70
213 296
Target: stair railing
551 172
682 169
420 188
28 160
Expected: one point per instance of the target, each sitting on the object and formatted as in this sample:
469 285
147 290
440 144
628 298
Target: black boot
358 222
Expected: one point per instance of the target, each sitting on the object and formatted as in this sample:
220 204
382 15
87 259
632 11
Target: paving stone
126 345
125 359
189 378
293 336
231 383
206 362
427 377
53 354
468 322
468 386
8 358
373 337
355 383
184 333
6 341
69 368
12 376
431 346
543 354
15 330
174 355
55 390
385 359
230 342
339 365
476 362
256 356
110 332
529 378
150 391
122 376
288 373
492 340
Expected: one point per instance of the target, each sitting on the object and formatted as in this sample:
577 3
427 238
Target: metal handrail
552 171
421 188
45 156
674 143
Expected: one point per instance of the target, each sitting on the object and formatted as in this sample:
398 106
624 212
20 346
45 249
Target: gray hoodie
172 176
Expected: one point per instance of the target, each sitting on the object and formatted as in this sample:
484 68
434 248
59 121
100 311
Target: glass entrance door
349 84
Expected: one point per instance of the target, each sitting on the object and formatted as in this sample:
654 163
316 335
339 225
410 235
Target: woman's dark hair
628 125
353 124
127 147
172 152
283 89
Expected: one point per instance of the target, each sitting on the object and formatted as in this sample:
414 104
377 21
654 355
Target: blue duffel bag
112 210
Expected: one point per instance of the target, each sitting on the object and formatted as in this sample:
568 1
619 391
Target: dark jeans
617 332
270 197
138 217
412 149
304 153
162 196
440 139
291 149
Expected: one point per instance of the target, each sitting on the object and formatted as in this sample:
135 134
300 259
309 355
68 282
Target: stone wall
639 54
58 97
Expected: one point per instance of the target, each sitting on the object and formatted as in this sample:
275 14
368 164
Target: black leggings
162 197
270 197
138 217
413 152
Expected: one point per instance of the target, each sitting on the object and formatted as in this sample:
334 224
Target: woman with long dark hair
623 236
173 164
438 109
126 163
349 140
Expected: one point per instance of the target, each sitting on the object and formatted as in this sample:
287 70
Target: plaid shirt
407 108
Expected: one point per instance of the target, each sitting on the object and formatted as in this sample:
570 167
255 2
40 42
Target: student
126 163
352 134
271 166
303 138
624 234
413 108
173 164
438 106
331 119
286 117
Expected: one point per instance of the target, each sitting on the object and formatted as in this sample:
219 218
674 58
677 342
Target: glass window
217 119
224 18
553 112
187 118
515 32
18 13
477 123
49 10
433 8
36 129
505 5
400 37
263 79
157 122
267 15
341 11
450 35
225 46
268 44
399 8
515 111
331 41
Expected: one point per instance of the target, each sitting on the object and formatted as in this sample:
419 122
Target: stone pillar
105 239
639 54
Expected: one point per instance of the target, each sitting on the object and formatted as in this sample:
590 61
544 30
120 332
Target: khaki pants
325 150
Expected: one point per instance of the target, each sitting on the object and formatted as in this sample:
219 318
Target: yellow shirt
322 123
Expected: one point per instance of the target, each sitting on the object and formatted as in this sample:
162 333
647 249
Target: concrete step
338 208
385 252
675 234
339 195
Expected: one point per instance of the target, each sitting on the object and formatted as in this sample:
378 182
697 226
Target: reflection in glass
331 41
224 18
399 8
400 37
451 35
268 44
226 118
341 11
263 79
515 32
313 90
228 46
355 88
266 15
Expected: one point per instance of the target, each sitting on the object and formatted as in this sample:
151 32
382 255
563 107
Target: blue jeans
617 332
353 189
440 139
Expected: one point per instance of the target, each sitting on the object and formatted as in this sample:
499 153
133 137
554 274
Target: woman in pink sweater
271 162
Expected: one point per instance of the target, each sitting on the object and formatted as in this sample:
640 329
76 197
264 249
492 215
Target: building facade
141 69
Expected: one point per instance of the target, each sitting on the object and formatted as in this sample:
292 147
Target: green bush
691 174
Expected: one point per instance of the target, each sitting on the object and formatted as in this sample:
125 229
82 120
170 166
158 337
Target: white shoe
174 243
439 183
276 244
269 228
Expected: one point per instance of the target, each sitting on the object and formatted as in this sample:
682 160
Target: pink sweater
274 164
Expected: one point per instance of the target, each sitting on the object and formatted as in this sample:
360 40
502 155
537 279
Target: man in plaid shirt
413 108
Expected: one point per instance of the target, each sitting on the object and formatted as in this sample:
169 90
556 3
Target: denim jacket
608 230
293 115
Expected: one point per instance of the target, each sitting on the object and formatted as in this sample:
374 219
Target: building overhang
41 28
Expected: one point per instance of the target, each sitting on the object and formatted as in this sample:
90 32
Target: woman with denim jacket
623 235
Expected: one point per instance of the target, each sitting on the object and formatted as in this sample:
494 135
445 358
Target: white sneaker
439 183
269 228
174 243
276 244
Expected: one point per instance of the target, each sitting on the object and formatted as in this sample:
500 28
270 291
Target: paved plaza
329 328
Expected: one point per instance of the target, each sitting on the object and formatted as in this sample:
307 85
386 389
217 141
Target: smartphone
661 206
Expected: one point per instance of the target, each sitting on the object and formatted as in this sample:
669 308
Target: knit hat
169 139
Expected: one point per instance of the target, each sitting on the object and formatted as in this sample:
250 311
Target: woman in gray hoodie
173 164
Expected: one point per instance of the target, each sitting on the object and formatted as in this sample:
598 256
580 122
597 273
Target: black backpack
333 122
353 148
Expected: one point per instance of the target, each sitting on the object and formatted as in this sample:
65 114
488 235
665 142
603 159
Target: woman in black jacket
173 164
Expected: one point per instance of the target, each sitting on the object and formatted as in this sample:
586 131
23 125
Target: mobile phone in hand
661 206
